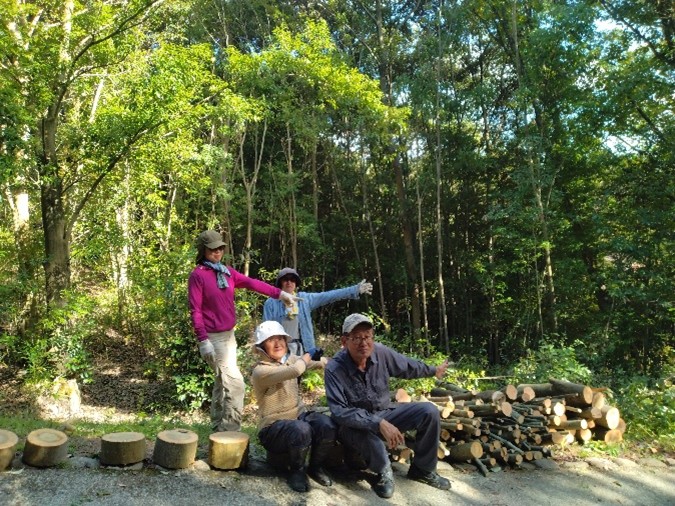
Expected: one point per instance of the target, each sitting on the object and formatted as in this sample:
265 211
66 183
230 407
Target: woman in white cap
284 424
211 298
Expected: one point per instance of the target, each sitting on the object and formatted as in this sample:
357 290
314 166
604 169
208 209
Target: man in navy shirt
357 389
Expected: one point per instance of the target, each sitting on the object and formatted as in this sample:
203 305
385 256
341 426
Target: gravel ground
593 481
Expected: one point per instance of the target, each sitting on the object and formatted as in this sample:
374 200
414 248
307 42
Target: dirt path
580 483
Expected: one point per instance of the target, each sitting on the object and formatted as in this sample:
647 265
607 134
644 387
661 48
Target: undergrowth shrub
648 407
550 361
58 345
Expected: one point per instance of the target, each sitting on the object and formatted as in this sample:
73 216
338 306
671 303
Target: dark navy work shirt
355 397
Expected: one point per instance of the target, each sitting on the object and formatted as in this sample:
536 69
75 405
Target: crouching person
284 424
357 389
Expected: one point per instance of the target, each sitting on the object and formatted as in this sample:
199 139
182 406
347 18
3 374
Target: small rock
670 462
17 463
600 463
651 462
133 467
201 465
83 463
547 464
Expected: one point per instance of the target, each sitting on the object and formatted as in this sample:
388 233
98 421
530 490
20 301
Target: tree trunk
385 79
56 240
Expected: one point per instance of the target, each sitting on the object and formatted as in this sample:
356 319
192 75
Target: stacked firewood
495 428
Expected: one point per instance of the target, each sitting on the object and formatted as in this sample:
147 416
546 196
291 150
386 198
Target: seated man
285 426
357 389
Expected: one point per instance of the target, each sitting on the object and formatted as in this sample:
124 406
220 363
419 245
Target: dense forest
502 171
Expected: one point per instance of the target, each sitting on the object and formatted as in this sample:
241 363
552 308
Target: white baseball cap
353 320
268 329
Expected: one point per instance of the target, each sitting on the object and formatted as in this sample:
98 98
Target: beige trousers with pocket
227 400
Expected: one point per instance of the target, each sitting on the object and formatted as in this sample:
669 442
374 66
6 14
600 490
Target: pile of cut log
496 428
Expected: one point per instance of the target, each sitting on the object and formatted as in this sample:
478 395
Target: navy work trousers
309 429
422 416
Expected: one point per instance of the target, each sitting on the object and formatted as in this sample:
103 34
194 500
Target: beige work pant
227 401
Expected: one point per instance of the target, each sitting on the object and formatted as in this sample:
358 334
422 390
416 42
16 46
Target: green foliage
58 345
551 361
419 386
312 380
648 408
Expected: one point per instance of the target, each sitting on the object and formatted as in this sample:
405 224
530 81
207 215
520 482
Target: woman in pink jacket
211 297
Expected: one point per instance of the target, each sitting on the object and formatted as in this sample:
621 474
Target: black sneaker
431 478
354 461
384 487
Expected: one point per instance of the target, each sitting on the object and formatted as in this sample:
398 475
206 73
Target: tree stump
175 449
122 448
8 443
45 448
228 450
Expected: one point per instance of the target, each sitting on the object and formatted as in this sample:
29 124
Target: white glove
207 352
288 299
365 287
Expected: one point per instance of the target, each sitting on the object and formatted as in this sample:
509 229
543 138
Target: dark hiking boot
318 456
384 487
431 478
297 479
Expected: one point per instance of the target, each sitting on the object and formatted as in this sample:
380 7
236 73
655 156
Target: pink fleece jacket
211 308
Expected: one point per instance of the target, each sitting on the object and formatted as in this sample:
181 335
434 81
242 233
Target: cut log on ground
566 387
590 413
599 400
175 449
540 389
525 393
465 451
122 448
554 413
609 436
8 444
610 417
510 391
584 435
491 395
402 396
228 450
45 448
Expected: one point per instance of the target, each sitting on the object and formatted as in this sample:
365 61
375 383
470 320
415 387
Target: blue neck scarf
221 272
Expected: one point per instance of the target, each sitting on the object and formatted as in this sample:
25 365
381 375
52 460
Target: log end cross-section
45 448
122 448
228 450
175 449
8 444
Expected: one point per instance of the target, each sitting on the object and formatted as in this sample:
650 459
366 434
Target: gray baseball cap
353 320
210 239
